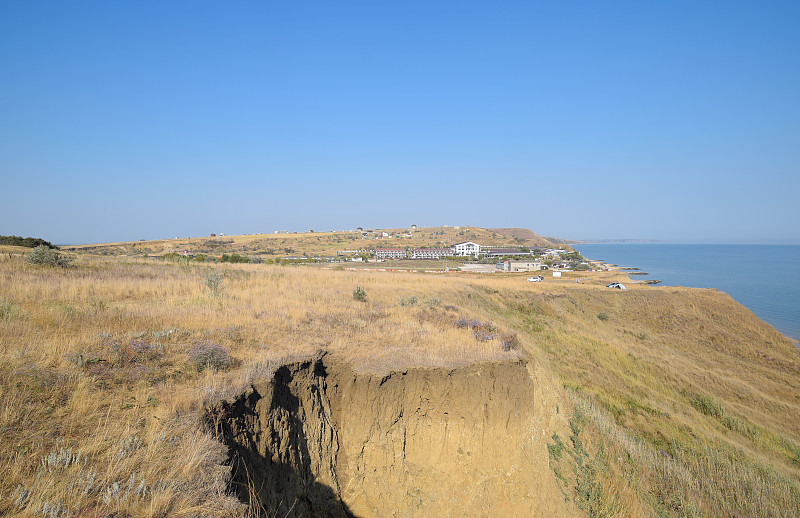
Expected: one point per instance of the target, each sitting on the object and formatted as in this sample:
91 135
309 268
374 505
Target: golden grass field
683 402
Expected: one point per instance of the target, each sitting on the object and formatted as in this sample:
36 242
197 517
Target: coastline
770 292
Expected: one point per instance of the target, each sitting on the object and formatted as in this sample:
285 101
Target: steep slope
319 439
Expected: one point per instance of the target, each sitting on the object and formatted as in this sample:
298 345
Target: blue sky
677 121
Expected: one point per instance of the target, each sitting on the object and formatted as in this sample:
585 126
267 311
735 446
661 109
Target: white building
466 248
390 253
430 253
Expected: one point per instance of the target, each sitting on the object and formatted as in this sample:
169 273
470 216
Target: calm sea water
763 278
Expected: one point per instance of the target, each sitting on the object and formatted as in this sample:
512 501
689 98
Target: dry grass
14 250
699 480
101 404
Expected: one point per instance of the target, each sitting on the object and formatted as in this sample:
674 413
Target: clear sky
140 120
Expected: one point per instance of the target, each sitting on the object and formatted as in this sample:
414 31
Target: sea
763 278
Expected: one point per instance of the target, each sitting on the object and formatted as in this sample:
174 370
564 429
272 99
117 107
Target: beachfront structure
390 253
466 248
521 266
430 253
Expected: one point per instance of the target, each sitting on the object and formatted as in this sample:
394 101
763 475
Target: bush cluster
410 301
432 302
210 356
42 255
484 332
215 283
360 294
234 258
27 242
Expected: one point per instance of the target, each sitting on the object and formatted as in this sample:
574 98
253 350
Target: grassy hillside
523 234
680 401
315 244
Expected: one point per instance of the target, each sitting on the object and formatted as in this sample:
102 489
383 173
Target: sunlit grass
102 400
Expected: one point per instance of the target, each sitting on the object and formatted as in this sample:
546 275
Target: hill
316 243
129 385
524 234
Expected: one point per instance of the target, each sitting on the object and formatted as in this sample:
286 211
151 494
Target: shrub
175 257
603 316
234 258
462 322
42 255
214 356
8 310
360 294
483 336
509 342
432 302
410 301
215 282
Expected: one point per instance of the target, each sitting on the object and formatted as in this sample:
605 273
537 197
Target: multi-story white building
430 253
390 253
466 248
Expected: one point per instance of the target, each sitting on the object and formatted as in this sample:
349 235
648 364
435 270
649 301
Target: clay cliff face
319 439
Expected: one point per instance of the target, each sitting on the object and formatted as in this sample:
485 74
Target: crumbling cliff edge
319 439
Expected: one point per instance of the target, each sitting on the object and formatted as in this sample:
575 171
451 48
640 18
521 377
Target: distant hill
559 241
321 243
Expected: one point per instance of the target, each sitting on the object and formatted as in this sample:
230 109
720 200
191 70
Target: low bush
410 301
8 310
360 294
234 258
432 302
483 336
43 255
509 342
215 282
213 356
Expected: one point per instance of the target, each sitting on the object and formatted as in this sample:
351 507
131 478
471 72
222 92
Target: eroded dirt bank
319 439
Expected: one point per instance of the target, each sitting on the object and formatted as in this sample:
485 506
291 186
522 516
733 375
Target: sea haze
764 278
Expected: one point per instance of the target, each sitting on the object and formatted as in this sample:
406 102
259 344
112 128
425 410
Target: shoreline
608 266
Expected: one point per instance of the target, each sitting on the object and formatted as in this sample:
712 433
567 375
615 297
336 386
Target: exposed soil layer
319 439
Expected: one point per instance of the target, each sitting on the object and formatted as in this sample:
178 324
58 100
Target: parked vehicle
538 278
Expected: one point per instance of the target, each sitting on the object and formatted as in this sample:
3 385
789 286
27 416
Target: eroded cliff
319 439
